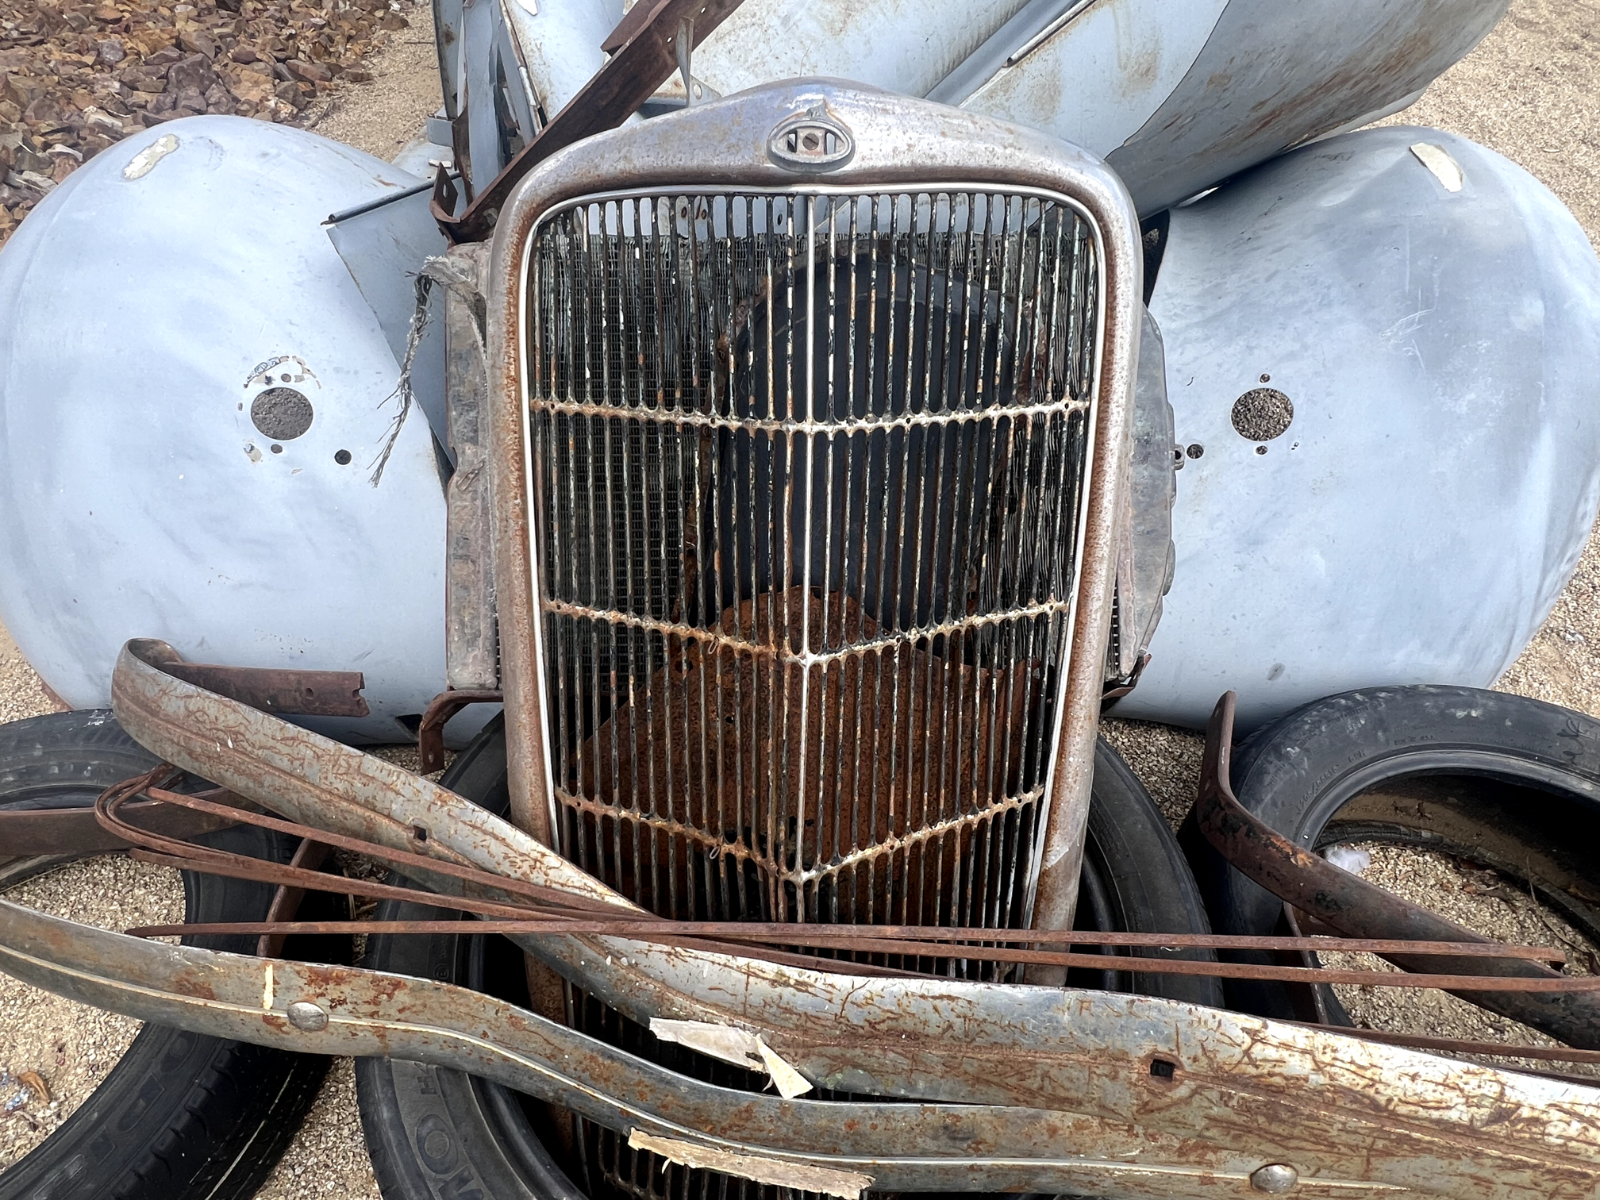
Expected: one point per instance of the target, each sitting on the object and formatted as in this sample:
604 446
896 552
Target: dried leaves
77 75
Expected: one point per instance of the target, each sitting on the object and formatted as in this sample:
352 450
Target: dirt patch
79 75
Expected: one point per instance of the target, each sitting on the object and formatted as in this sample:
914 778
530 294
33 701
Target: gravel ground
1527 92
72 1045
382 116
1480 900
22 693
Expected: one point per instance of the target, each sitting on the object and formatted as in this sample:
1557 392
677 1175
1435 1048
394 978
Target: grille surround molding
902 145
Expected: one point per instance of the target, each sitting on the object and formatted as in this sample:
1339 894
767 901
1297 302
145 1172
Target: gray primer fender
1273 75
1175 96
1431 496
140 306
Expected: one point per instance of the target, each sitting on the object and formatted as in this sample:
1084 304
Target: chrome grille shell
900 146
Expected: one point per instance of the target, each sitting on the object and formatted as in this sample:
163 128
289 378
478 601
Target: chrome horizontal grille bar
674 416
712 637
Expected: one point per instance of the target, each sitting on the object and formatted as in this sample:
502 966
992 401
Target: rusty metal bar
695 933
887 939
1349 904
430 733
1116 1096
77 831
308 856
847 936
894 940
109 808
183 856
276 690
1419 1041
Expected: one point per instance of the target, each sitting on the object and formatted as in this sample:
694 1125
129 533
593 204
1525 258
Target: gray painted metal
1419 516
1089 73
140 306
1273 75
383 248
472 647
1177 96
1145 559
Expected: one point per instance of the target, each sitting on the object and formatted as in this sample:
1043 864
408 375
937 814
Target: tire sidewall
180 1115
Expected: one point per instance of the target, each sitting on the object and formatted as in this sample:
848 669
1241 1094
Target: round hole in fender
282 414
1262 414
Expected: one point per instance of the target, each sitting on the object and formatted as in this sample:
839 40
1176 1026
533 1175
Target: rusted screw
307 1016
1274 1179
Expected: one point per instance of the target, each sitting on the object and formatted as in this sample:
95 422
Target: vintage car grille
807 472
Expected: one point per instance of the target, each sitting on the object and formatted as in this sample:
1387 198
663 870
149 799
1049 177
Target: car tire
1505 781
180 1116
436 1132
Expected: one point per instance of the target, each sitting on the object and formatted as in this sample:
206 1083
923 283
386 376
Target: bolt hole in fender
430 1129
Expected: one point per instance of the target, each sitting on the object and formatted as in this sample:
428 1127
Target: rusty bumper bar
1429 1127
1012 1088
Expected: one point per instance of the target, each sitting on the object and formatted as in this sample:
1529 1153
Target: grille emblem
811 141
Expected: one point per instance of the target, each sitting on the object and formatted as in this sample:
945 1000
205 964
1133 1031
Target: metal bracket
644 57
430 734
274 690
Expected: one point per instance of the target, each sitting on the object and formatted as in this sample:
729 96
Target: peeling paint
145 161
737 1046
1437 159
284 368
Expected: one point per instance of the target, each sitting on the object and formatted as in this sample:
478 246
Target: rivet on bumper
308 1017
1275 1179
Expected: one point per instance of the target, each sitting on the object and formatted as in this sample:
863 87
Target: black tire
1509 782
180 1116
1135 879
434 1132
